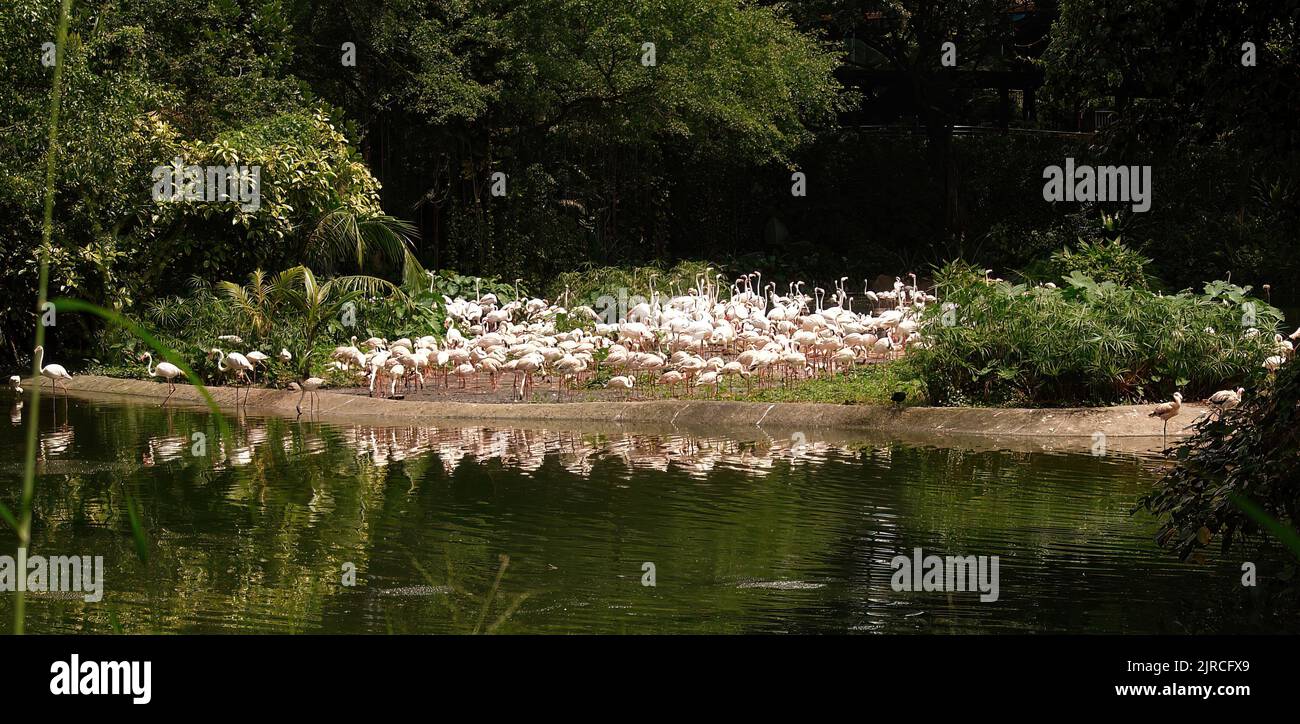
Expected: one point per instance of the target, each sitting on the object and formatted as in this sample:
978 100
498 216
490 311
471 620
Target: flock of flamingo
714 333
697 340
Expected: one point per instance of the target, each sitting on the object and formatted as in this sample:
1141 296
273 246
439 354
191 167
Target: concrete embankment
1125 427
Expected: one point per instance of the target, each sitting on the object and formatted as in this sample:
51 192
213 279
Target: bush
1246 462
1087 342
292 309
1104 261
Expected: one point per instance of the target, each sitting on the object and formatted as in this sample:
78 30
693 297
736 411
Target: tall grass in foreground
22 523
1087 342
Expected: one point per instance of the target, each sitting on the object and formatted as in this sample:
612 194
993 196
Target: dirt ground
479 389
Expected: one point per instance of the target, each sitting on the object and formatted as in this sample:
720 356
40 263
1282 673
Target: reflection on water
261 531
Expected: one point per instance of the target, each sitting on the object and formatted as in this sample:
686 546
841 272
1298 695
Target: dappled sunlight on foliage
1088 342
1252 452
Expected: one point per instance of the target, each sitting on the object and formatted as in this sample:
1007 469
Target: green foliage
146 82
1192 83
319 202
1236 475
588 285
448 283
346 236
1087 342
292 309
723 70
1103 261
596 147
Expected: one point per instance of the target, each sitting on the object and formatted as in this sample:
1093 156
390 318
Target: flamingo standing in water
311 384
52 372
16 412
165 370
235 364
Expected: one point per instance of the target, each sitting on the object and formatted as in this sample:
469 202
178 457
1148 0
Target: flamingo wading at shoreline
52 372
165 370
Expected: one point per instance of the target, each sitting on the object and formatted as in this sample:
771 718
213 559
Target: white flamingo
165 370
311 384
54 373
257 358
234 364
1167 411
621 382
1225 400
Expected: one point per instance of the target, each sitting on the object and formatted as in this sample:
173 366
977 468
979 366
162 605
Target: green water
761 533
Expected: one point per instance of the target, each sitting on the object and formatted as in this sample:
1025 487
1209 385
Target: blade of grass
487 603
1289 537
47 233
510 611
137 529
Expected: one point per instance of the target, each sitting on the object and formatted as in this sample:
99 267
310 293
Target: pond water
455 530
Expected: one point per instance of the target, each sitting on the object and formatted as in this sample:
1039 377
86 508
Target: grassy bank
873 384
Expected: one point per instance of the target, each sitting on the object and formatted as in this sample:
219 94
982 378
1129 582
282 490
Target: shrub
1087 342
292 309
1104 261
1236 475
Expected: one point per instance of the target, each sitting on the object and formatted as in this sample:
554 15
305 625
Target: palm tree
320 302
297 294
343 235
256 301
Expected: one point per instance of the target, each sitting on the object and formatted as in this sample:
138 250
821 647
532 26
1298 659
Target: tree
561 96
296 298
1176 71
907 36
1220 133
148 81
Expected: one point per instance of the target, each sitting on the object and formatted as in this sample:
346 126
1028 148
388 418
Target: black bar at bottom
214 673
